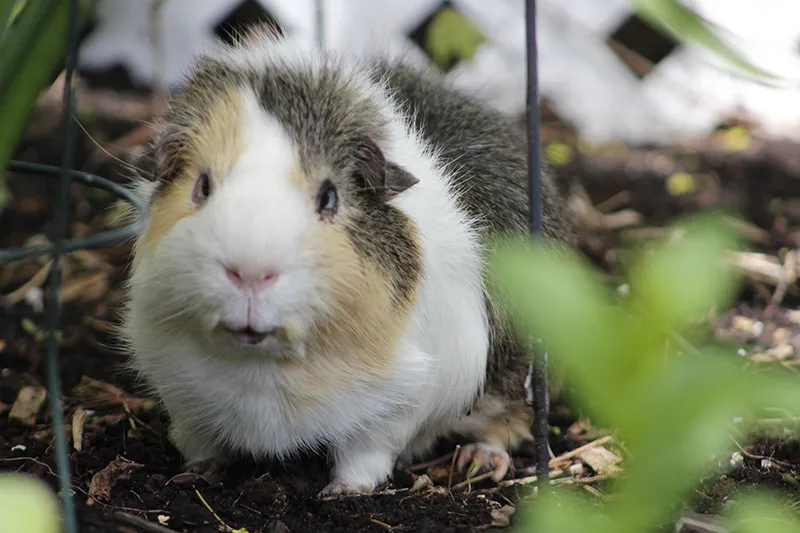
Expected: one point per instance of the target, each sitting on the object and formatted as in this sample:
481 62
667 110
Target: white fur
222 397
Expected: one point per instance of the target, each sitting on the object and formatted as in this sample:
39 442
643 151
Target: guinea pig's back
487 149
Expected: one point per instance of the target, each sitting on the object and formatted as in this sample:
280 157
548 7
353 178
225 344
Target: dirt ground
127 477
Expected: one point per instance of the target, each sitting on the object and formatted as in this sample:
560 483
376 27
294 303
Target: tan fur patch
509 430
299 179
214 146
359 341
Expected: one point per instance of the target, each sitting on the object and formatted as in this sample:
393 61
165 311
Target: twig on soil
229 528
37 280
749 231
577 451
615 202
577 480
470 480
527 480
10 459
142 523
790 273
592 219
432 462
385 492
763 268
98 394
697 523
384 525
760 457
596 492
452 468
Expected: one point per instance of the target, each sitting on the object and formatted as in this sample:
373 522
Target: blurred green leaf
27 505
686 25
31 49
762 514
451 36
672 410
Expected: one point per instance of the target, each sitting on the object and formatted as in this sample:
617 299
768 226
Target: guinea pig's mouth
250 337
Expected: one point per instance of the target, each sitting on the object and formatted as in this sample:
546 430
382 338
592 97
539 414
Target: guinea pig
312 271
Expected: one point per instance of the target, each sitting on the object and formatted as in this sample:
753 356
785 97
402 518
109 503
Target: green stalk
31 49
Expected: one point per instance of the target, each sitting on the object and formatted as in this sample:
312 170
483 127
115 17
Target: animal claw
487 457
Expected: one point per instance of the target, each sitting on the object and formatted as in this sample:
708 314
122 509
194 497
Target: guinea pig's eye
202 189
327 199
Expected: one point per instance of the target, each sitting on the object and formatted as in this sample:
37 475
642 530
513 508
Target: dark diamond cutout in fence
447 37
640 46
247 14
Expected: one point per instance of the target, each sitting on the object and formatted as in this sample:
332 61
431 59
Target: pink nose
250 277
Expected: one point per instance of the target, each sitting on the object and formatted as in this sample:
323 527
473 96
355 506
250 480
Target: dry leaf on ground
602 461
104 480
28 403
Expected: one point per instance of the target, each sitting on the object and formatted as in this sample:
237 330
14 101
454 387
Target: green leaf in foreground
686 25
30 52
761 514
671 409
27 505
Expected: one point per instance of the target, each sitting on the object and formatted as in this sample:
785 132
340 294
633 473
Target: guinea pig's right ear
383 177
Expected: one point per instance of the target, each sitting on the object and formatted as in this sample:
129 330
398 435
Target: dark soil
762 183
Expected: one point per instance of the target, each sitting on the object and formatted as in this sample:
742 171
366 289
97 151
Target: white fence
687 93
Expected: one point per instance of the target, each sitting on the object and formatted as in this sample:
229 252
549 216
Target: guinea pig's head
271 214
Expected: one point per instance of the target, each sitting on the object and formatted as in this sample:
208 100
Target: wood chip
104 480
422 482
602 461
699 523
566 457
763 268
743 324
87 287
781 336
774 355
502 517
28 404
78 419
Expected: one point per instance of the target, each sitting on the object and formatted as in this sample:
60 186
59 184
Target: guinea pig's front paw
358 470
344 488
485 457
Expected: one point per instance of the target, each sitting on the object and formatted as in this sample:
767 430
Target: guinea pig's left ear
397 180
385 178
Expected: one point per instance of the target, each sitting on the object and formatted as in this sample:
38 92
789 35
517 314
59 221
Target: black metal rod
60 229
90 242
320 22
540 392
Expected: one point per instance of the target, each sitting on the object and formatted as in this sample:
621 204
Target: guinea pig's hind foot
483 457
